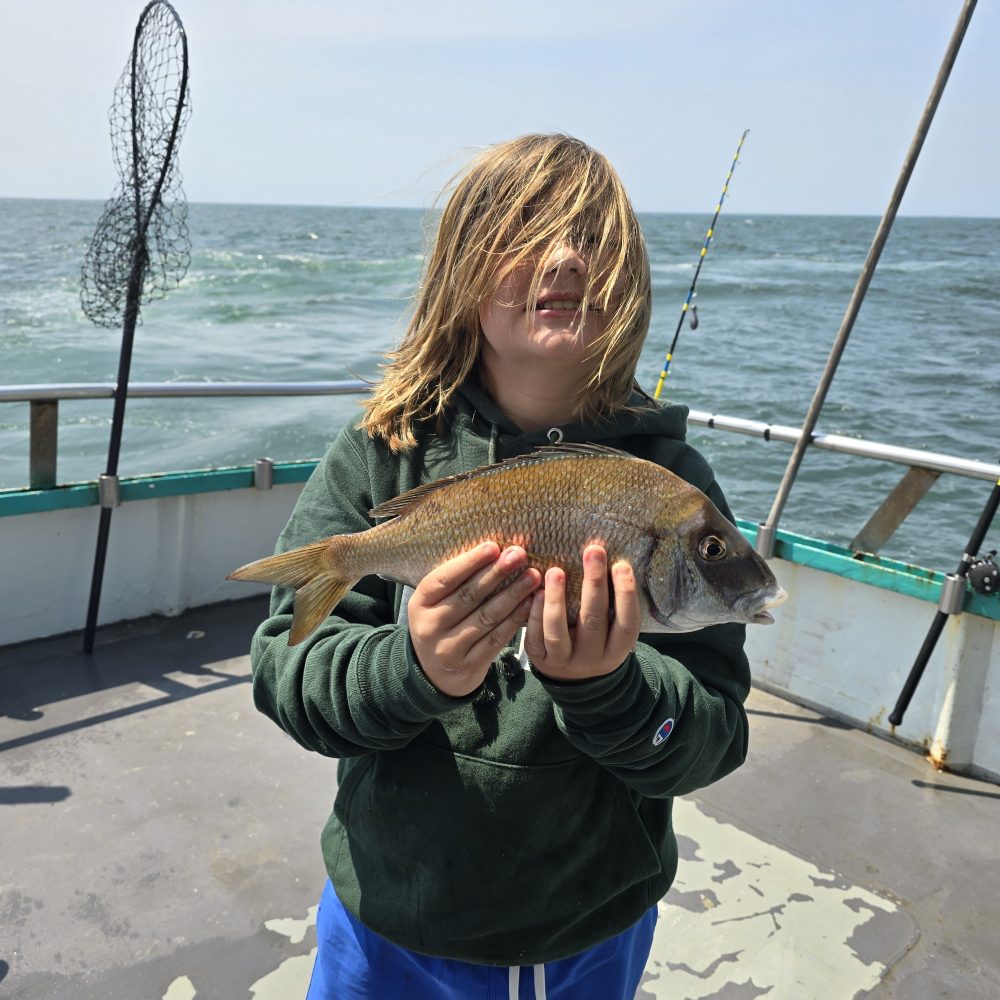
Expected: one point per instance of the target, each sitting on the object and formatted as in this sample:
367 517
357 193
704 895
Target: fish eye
712 548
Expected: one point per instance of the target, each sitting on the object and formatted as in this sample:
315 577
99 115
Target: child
490 818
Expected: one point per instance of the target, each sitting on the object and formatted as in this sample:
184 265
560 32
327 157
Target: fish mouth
761 601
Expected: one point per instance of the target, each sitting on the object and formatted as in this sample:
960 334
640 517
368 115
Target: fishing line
694 281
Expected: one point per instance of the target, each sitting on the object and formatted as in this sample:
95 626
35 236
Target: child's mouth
568 306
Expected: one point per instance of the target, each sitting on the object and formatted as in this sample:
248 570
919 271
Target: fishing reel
984 574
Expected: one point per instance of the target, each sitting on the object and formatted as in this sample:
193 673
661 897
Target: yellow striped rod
697 270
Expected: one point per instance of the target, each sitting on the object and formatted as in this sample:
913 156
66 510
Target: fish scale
553 514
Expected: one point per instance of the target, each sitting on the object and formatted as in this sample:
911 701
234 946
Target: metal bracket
906 494
765 541
952 594
263 473
108 491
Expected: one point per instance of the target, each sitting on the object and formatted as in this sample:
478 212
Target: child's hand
459 621
594 646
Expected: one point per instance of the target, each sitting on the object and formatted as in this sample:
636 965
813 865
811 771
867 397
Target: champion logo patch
666 728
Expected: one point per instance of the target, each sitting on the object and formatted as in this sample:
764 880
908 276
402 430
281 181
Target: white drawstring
539 982
514 981
522 656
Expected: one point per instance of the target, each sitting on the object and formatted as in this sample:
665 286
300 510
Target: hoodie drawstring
491 455
514 982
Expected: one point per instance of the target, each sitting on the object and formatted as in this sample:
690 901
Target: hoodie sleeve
670 719
354 685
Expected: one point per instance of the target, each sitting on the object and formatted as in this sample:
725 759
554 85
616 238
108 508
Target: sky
339 102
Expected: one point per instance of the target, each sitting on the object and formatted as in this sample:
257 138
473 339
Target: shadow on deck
49 671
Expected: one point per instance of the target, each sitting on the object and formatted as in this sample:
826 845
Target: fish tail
313 572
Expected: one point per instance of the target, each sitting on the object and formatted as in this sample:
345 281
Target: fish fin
547 453
311 570
576 448
289 569
314 602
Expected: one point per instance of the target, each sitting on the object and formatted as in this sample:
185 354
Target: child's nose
565 257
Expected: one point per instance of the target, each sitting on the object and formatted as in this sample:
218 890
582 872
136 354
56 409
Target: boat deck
160 840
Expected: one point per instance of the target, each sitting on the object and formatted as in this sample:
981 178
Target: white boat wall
166 553
843 643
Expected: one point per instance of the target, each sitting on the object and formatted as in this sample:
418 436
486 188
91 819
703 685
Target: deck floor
159 839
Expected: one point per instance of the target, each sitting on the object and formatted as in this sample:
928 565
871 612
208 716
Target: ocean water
297 293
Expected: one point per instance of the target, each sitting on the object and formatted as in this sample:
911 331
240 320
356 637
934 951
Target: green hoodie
531 819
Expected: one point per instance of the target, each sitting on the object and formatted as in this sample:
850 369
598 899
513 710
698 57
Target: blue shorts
354 963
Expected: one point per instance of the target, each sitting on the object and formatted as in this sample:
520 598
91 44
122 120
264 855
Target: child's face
551 332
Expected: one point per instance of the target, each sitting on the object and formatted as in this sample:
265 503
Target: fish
692 566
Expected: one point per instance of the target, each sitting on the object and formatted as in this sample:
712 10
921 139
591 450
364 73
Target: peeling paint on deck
291 978
289 927
180 989
746 919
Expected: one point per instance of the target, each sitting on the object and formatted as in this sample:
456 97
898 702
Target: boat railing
923 467
44 399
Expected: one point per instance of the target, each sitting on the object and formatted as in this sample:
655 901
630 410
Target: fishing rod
984 576
694 281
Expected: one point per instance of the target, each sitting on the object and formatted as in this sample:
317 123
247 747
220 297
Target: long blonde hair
512 204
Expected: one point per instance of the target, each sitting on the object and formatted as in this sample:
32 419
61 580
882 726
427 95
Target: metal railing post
43 443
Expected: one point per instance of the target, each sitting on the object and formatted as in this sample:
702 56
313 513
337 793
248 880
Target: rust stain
875 721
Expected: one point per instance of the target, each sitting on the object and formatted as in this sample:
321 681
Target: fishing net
142 240
141 246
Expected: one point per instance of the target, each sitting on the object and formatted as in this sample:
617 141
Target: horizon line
430 209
